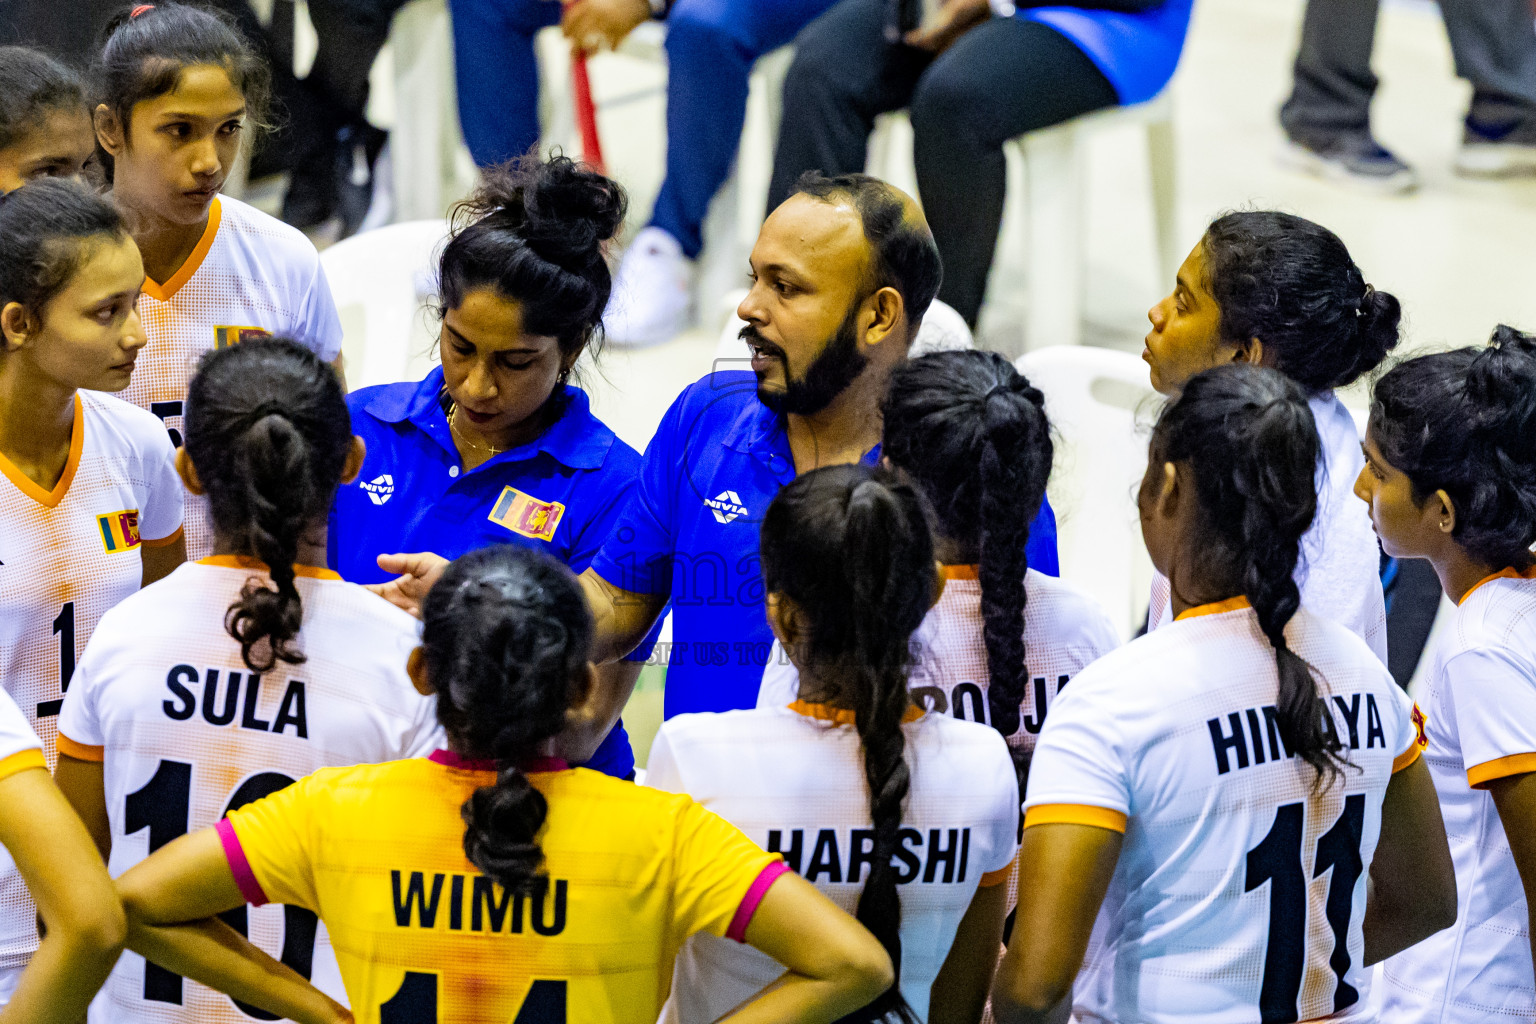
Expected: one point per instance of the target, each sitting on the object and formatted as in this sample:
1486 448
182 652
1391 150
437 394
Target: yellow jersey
422 936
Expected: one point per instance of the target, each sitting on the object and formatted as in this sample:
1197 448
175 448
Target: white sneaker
651 292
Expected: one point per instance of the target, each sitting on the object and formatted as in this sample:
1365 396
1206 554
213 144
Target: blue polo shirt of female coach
560 493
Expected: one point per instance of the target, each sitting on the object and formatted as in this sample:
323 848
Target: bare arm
959 993
1413 883
621 618
83 785
1515 798
1064 872
160 562
171 899
617 679
74 896
835 965
339 364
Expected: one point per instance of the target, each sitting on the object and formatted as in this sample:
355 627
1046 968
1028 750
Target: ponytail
851 547
268 433
1247 436
506 632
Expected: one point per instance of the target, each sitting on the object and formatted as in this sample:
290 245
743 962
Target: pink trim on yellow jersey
1231 604
1479 775
753 899
164 541
80 751
22 761
24 483
239 866
1503 574
842 716
163 292
1074 814
960 572
246 562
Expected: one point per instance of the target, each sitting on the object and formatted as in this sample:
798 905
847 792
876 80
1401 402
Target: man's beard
832 371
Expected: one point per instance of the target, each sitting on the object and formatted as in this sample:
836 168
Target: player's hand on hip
414 576
592 25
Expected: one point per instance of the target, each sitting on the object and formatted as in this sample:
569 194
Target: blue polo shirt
560 493
689 533
1138 51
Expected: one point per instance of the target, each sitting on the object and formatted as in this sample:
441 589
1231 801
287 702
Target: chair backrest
1100 405
381 281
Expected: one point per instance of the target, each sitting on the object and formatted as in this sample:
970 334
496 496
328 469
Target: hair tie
1365 298
261 412
140 9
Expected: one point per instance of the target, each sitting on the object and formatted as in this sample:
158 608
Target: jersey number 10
1277 860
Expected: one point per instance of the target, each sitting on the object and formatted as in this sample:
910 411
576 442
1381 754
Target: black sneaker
1355 159
1497 151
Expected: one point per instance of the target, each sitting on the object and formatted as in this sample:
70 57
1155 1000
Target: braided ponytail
851 547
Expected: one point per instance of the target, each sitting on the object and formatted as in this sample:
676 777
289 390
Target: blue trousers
711 47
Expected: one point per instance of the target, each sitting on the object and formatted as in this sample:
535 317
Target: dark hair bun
1381 317
564 210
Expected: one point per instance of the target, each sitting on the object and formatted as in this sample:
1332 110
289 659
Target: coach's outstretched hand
415 575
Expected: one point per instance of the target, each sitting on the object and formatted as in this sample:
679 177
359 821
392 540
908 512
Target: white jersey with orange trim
67 555
1339 572
1240 891
250 275
186 732
792 778
1482 727
20 749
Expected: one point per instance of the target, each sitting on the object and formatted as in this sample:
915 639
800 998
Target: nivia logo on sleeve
726 506
379 489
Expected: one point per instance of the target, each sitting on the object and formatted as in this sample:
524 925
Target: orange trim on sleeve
163 541
313 572
21 761
81 751
1407 757
1503 574
163 292
1416 746
24 483
998 877
843 716
1075 814
960 572
1479 775
1231 604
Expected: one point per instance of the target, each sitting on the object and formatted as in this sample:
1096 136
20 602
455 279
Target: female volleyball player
496 445
90 507
1451 476
244 671
1226 787
490 882
853 775
1277 290
45 131
177 90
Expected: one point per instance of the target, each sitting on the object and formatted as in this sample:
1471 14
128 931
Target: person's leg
1494 43
497 74
845 74
1003 78
1333 79
711 47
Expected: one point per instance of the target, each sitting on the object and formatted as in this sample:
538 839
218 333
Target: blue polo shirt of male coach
560 493
690 534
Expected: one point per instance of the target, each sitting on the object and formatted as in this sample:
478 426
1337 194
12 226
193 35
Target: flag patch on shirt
526 515
119 530
223 337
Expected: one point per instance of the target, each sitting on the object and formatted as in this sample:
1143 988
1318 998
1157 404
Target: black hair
1246 435
1292 284
46 230
506 631
851 547
1464 422
32 86
971 432
145 49
903 254
535 231
268 434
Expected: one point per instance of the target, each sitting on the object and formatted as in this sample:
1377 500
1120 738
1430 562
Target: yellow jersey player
246 670
490 882
177 90
1451 476
1224 793
90 507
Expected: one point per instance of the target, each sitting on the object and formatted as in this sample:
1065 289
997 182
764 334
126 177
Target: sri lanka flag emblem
119 530
223 337
526 515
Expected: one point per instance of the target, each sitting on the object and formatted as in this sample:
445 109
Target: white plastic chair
1096 399
430 166
381 281
1054 206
